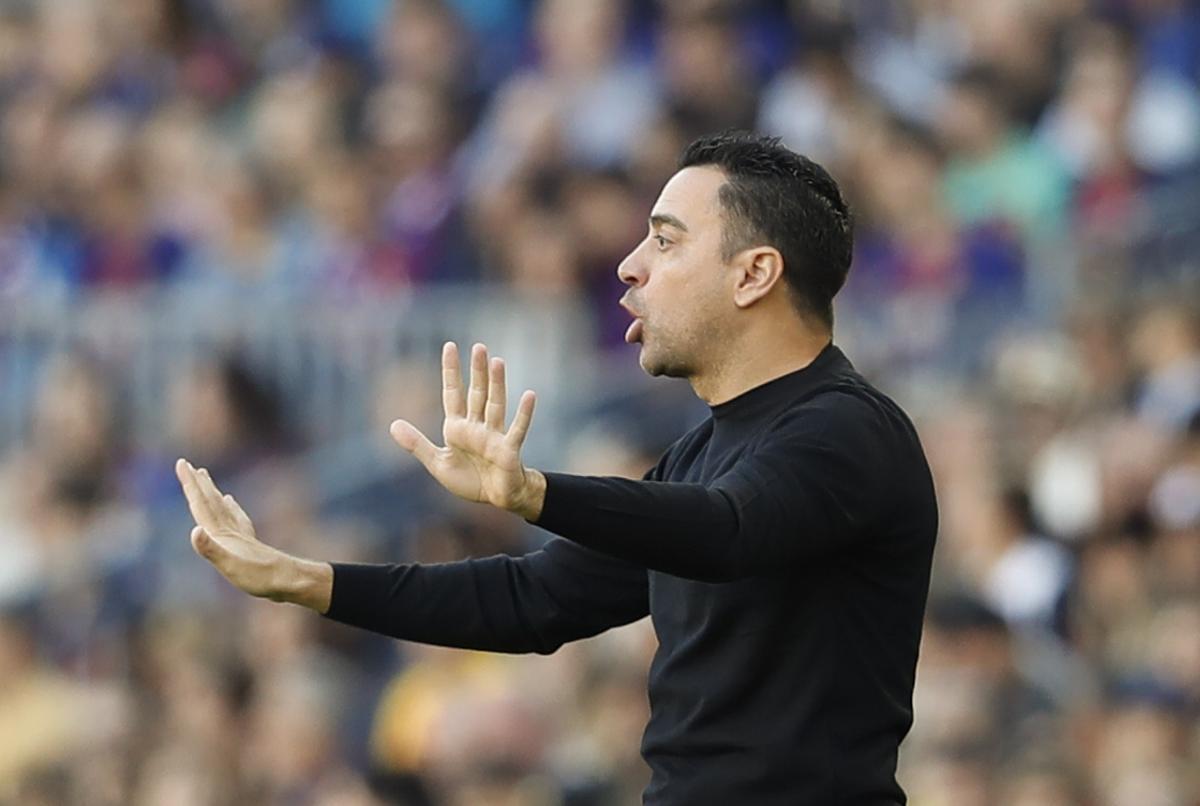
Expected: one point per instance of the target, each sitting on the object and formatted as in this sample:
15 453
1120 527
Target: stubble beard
662 359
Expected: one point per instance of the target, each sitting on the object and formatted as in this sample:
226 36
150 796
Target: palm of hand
480 460
475 463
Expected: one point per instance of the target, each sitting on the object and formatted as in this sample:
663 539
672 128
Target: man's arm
535 603
808 490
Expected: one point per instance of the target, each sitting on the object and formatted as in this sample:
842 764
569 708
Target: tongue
634 333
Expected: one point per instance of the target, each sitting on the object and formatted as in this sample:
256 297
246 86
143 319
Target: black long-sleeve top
782 549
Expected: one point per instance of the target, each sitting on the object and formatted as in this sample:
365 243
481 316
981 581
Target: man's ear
758 270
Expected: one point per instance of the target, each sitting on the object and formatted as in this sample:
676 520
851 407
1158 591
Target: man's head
746 233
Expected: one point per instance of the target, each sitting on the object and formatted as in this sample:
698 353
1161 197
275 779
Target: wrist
308 583
533 497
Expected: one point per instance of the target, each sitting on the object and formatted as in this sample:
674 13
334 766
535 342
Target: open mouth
634 332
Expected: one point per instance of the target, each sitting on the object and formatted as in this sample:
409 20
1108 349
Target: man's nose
630 269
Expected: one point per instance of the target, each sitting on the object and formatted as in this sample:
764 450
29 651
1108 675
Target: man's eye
662 242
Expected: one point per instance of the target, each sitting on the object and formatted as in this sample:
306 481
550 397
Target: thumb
204 545
409 437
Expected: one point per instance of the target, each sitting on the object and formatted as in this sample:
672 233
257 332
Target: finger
520 424
214 496
477 393
452 393
409 437
222 503
196 500
236 510
496 396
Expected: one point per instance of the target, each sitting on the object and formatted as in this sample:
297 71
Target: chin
649 364
657 366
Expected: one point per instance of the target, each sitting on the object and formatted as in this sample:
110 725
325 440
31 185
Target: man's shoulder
846 405
844 399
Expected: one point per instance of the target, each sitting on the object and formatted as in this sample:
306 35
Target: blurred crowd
1023 174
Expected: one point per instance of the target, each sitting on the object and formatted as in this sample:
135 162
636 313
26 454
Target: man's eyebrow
660 219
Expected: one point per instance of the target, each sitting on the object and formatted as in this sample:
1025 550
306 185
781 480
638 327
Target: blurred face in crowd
970 123
578 37
681 290
73 420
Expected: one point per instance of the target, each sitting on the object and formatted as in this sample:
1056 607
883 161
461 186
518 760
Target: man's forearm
308 583
533 603
683 529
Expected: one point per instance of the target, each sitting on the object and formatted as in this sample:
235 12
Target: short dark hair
774 196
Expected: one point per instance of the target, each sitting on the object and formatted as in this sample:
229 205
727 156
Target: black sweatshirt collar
765 398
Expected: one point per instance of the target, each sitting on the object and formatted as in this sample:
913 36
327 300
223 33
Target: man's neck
756 363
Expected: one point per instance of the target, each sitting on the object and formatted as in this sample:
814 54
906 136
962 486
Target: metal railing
320 354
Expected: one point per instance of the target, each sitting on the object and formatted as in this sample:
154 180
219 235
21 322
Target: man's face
679 285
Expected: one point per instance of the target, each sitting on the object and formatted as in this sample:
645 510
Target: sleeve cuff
561 505
350 601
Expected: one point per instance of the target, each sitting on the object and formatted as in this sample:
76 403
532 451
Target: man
782 548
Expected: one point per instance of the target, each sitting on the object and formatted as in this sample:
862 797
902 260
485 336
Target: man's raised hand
480 461
224 535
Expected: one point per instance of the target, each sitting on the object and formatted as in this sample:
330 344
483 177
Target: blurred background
239 231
